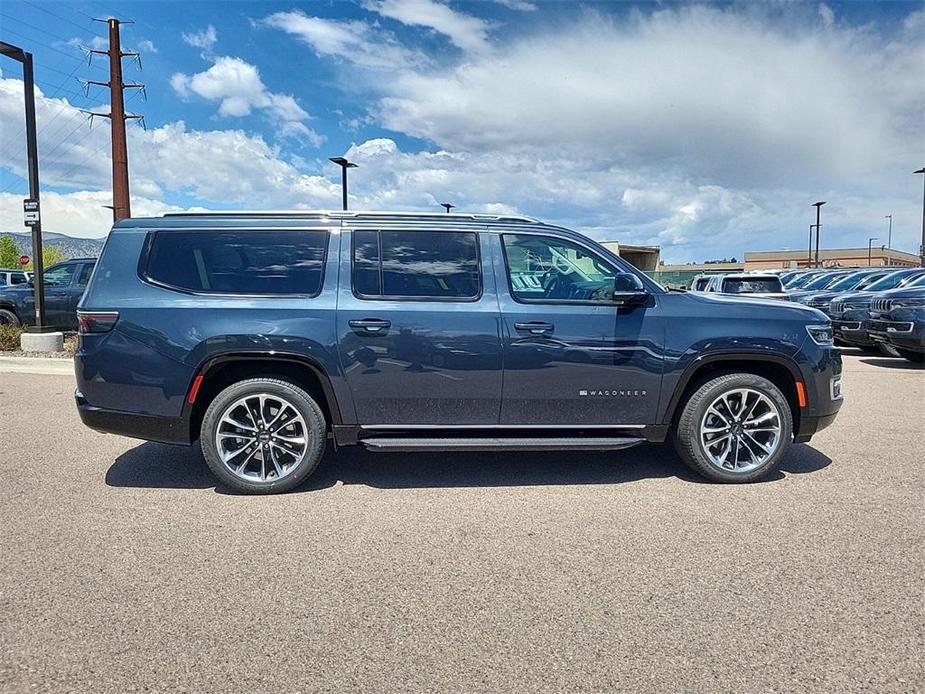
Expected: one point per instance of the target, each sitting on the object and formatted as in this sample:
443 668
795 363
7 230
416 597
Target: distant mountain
71 246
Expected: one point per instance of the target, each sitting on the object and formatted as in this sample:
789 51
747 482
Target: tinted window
239 262
416 264
60 275
759 285
85 273
544 268
18 278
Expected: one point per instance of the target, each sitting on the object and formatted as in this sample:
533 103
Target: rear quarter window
238 262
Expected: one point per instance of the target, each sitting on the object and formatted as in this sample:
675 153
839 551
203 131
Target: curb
37 365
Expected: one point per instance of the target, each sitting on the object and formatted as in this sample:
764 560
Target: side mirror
628 289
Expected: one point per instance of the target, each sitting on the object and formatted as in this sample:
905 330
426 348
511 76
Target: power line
44 45
63 19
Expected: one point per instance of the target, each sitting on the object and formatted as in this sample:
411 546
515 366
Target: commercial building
829 257
646 258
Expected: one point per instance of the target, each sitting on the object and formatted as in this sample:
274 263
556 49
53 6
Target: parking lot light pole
32 156
889 233
809 253
922 245
448 206
869 245
344 165
818 206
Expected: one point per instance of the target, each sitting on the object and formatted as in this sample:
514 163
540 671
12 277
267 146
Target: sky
707 129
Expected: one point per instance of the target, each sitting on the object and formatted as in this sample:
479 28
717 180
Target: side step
411 445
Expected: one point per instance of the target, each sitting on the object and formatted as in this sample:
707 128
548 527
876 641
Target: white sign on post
31 213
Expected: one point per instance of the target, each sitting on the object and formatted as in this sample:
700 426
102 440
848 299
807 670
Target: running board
412 445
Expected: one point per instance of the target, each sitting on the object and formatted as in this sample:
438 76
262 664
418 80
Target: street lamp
818 206
344 165
922 246
869 243
809 254
889 235
32 165
448 206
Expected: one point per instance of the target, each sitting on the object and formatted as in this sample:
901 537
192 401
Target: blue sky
707 129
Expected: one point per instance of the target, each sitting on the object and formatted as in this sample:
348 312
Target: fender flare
698 363
270 356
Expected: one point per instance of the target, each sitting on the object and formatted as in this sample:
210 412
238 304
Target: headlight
822 334
909 302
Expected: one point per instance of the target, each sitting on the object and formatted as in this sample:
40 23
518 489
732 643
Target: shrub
9 337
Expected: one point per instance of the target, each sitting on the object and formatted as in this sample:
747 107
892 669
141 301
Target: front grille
837 307
882 305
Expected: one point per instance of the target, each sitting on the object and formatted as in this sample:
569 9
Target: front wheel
917 357
8 318
262 436
734 428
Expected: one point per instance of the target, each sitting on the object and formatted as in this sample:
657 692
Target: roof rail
348 214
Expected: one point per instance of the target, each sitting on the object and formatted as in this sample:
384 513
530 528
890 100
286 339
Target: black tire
687 438
8 318
315 435
887 350
915 357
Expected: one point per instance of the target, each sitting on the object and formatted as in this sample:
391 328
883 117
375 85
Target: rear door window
239 262
416 265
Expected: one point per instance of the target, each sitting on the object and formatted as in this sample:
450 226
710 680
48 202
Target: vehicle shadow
898 363
154 465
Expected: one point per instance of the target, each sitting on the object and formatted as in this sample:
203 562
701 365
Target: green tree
51 255
9 253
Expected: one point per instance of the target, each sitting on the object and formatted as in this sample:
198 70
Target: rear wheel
262 436
917 357
734 428
8 318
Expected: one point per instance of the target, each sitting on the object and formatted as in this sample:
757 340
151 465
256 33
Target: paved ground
124 569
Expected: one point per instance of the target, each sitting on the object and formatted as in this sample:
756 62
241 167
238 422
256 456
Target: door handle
535 327
371 325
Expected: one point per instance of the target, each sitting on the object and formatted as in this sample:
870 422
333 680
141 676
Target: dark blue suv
264 334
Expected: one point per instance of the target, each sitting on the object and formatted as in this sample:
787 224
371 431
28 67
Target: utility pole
121 200
31 206
818 206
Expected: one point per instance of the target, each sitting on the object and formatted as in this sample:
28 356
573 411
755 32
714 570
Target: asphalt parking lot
124 568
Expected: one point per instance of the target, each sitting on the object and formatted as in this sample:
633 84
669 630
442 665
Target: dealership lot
125 569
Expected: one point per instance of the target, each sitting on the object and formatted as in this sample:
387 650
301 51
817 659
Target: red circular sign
23 260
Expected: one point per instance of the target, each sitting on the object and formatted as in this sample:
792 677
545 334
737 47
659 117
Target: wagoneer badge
612 393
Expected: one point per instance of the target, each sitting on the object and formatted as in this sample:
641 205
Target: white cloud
519 5
465 31
205 39
238 87
81 213
353 41
147 46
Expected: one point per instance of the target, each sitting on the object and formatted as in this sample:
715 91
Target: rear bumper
136 426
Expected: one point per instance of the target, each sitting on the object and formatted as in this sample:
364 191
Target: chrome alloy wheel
261 438
740 430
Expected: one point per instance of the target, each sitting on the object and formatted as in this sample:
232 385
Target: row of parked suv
879 308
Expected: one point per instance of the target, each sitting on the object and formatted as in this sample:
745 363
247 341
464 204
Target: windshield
757 285
917 282
821 282
847 282
800 280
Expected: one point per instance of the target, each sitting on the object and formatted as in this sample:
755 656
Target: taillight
96 321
